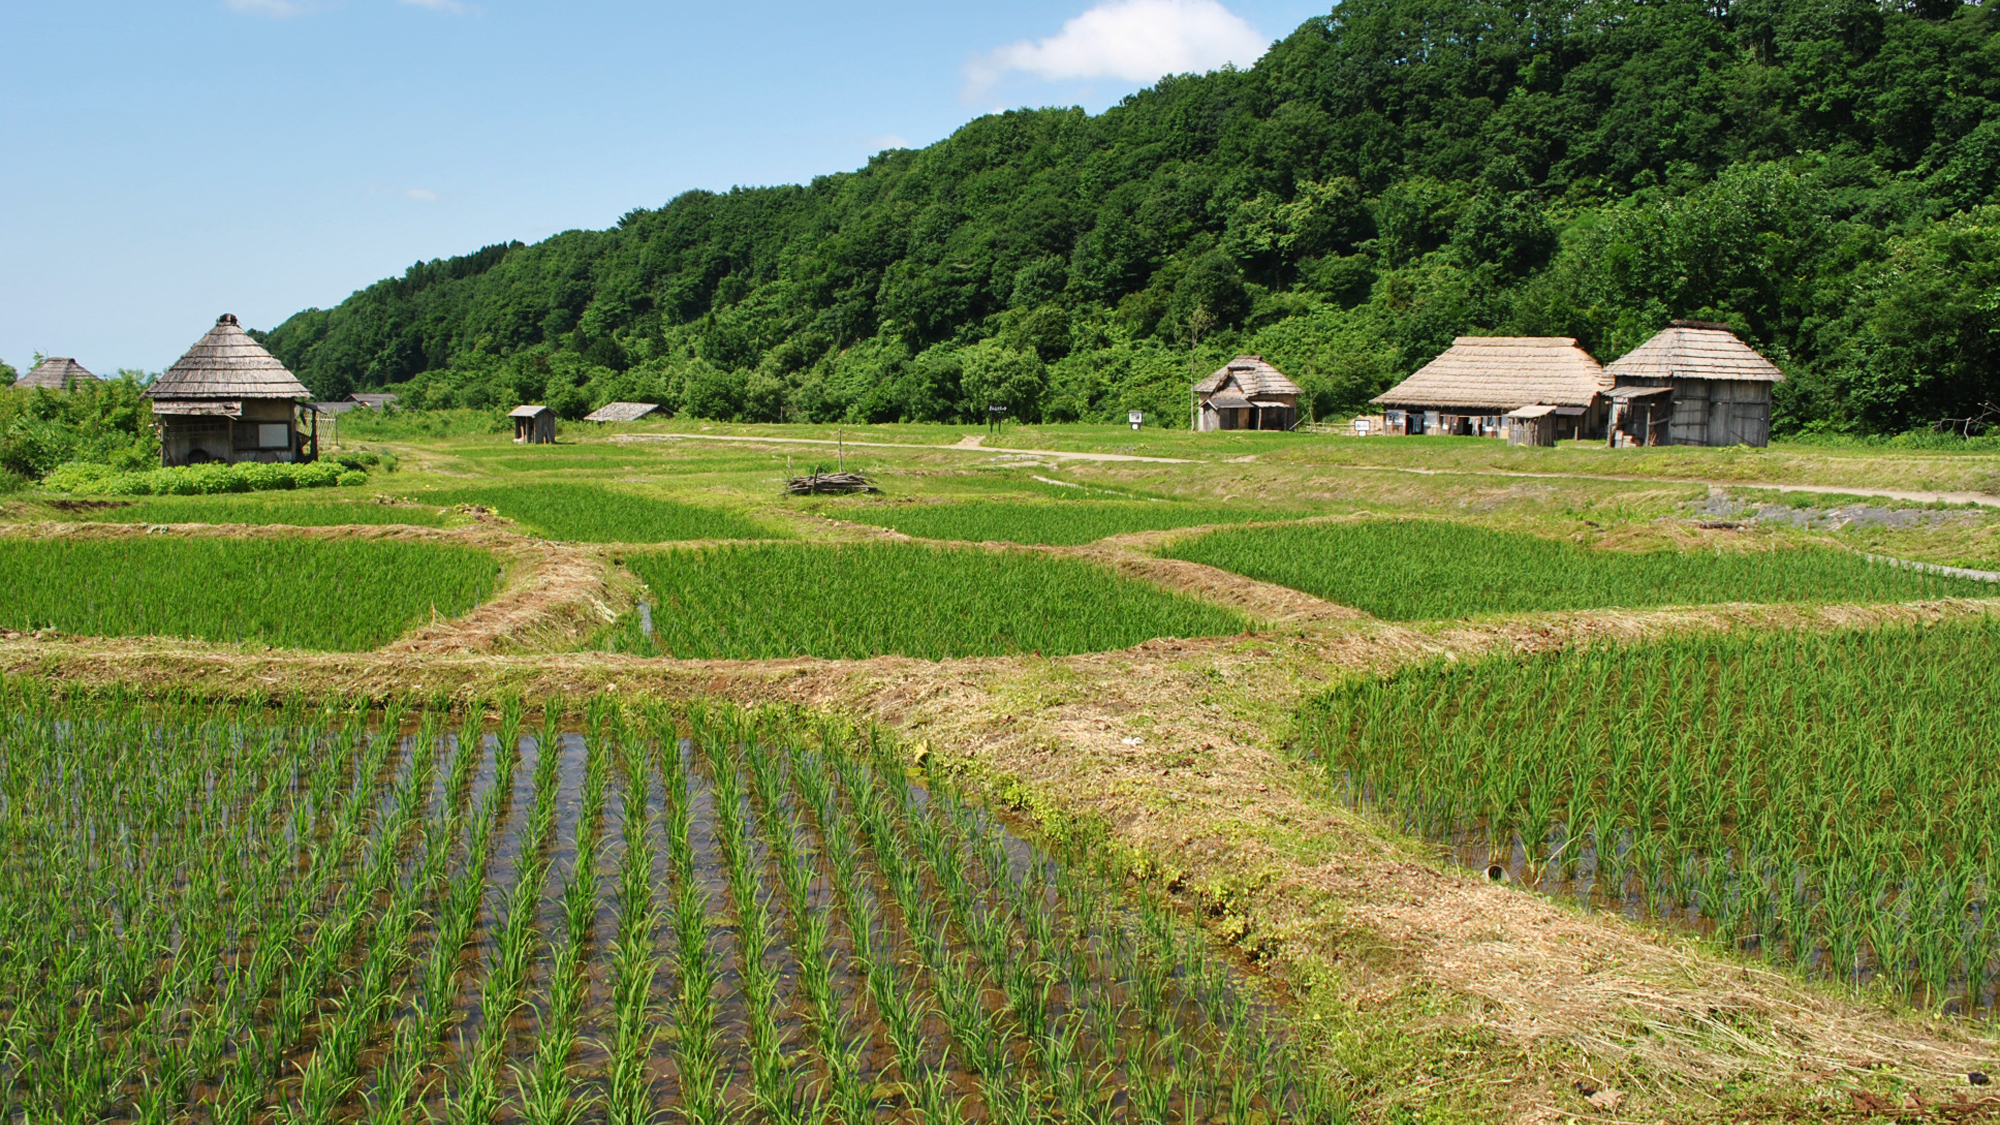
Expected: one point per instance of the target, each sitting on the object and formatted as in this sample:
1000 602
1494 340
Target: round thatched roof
57 373
227 363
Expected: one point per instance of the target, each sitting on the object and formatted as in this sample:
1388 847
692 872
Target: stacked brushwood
819 482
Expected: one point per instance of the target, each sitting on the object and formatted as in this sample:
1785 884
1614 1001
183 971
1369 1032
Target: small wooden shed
229 400
533 425
1531 425
1479 383
622 412
1695 383
1246 394
55 373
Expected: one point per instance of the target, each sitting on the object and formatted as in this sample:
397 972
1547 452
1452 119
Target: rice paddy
1407 570
618 916
338 595
856 601
1832 801
586 513
264 508
1058 523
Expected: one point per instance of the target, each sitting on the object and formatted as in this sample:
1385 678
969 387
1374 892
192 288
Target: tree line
1819 174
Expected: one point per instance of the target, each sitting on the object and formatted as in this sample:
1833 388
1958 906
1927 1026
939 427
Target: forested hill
1821 174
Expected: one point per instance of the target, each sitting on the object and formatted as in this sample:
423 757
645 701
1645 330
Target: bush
196 480
353 477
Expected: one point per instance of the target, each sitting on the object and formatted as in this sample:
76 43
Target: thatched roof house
1480 380
228 399
622 412
55 373
1695 383
1246 394
533 425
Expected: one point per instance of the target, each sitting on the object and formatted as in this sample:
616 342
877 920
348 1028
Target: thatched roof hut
55 373
534 425
1480 380
622 412
1694 383
1246 393
228 399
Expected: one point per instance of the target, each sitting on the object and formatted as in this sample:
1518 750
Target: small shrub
352 477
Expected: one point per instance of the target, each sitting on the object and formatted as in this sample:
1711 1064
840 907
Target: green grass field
314 594
299 510
1424 569
1833 800
588 513
857 601
1061 522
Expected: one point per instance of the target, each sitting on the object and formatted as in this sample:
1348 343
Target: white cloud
421 195
1132 40
449 7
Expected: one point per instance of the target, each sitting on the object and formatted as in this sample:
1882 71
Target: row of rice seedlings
239 590
547 1090
475 1093
1421 569
1828 800
860 600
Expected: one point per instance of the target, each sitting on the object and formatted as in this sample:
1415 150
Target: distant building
372 401
229 400
331 408
533 425
622 412
55 373
1695 383
1246 394
1481 385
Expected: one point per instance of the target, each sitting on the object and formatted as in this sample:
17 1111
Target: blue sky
166 161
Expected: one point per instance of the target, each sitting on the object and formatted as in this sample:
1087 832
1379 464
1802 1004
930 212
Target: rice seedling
588 513
299 914
852 602
268 591
1828 800
1419 569
1061 522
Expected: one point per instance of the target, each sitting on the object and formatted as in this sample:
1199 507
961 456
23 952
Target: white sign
1136 417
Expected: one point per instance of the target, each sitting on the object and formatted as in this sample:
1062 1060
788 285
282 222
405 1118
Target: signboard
1136 417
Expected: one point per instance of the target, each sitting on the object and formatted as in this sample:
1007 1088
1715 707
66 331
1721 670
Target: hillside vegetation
1820 174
